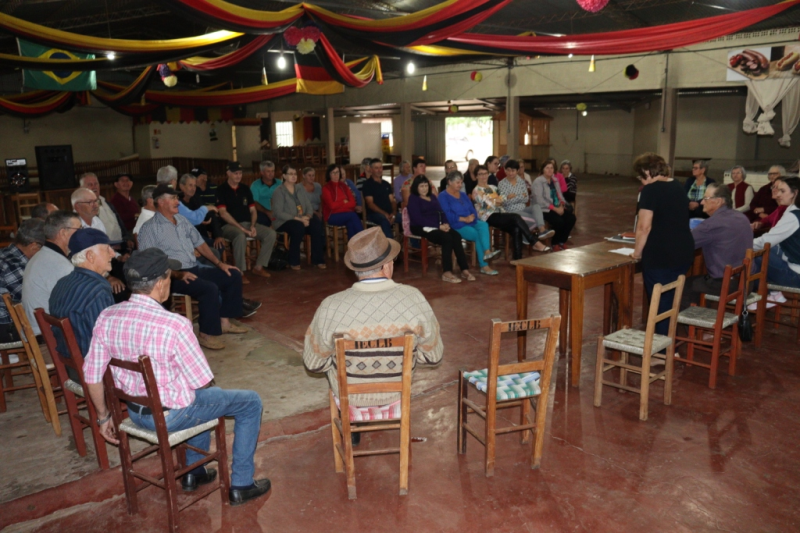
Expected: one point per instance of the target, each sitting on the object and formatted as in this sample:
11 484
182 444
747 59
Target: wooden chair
9 351
789 309
306 243
184 305
759 296
509 385
162 442
717 322
409 253
646 344
341 427
332 240
74 394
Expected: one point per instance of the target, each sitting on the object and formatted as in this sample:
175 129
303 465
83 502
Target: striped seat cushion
752 298
509 387
379 412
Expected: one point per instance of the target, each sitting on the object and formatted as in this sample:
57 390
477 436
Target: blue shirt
457 207
262 193
177 240
12 266
196 217
79 296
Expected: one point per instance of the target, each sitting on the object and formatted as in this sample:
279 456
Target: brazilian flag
56 80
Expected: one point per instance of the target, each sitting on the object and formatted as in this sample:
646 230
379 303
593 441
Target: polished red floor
715 460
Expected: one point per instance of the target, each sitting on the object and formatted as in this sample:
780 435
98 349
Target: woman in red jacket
338 203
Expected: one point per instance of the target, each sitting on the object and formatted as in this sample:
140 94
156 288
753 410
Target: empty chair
646 344
509 385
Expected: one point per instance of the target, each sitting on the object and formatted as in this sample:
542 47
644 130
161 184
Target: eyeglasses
87 202
773 173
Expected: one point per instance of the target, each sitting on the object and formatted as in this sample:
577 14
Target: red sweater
336 198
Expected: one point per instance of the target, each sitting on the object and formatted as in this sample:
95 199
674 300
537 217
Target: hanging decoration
425 83
264 80
453 108
631 72
581 107
303 39
167 75
476 76
593 6
591 64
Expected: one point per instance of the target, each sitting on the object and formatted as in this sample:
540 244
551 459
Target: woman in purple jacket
427 220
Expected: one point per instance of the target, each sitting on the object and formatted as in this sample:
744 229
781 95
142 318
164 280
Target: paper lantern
593 6
476 76
304 39
454 108
581 107
167 76
631 72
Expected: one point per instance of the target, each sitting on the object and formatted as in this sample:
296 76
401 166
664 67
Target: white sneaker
754 307
547 234
776 296
13 358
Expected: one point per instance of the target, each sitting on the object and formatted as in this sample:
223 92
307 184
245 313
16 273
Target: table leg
625 298
522 313
608 308
563 310
576 327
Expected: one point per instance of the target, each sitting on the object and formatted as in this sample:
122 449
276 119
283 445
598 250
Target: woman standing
557 212
664 241
463 218
313 189
424 216
784 260
338 203
741 191
489 205
470 176
294 216
572 181
696 188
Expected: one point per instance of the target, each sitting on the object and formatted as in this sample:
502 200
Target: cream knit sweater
368 311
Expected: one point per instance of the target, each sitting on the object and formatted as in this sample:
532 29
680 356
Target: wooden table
574 271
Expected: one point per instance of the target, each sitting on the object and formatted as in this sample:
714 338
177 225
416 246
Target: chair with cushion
391 417
718 322
754 296
508 385
645 344
162 442
74 394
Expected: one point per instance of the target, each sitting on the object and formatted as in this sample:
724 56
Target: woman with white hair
741 191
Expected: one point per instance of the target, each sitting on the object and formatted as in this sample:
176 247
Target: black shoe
251 304
355 438
257 489
247 312
190 482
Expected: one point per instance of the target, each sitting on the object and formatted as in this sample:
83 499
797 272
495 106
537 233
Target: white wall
186 140
604 141
95 133
248 145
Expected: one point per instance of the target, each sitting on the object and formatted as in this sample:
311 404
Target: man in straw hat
375 307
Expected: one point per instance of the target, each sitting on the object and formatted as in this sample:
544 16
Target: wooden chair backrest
544 366
115 396
61 361
9 303
406 342
761 276
732 291
25 331
653 317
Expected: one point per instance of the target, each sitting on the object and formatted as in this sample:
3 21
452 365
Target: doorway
468 138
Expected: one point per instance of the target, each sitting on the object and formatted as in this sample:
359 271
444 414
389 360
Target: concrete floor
722 459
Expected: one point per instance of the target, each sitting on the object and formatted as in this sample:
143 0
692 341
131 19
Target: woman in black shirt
664 241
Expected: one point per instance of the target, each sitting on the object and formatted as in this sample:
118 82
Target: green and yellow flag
55 80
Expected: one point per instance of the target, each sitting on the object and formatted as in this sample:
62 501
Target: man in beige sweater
375 307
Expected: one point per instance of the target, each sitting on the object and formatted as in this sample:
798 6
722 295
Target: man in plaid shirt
141 326
13 258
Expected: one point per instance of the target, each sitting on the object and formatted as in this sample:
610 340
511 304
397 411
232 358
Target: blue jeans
211 403
350 220
479 234
383 222
778 272
651 277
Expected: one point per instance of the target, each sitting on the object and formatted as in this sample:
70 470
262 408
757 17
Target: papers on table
623 251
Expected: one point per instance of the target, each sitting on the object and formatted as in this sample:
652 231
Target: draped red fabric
59 101
228 60
344 73
656 38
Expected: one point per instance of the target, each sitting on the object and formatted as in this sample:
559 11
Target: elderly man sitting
42 210
176 236
13 260
148 208
724 237
168 175
83 293
141 326
370 310
112 222
49 265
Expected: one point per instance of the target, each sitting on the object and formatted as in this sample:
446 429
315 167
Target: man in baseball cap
206 192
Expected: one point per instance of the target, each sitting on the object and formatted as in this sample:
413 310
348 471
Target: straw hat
369 250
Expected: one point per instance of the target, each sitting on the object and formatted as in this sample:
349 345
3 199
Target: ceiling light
111 55
281 62
410 68
570 56
584 113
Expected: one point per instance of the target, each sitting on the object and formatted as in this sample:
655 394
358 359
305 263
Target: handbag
745 327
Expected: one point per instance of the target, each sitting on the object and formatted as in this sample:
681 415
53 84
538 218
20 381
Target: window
386 127
284 133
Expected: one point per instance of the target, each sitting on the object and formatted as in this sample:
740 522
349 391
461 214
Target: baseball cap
163 189
86 238
148 264
234 166
199 171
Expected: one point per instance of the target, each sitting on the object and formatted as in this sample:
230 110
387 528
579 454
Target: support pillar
329 118
669 119
512 125
408 132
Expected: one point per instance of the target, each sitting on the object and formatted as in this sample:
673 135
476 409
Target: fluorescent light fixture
111 55
281 62
411 68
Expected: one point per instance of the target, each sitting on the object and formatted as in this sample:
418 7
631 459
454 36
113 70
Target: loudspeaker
17 172
56 170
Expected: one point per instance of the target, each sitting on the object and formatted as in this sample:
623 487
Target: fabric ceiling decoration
128 95
765 95
231 16
200 64
59 101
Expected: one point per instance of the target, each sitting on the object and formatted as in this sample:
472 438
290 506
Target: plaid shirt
141 326
12 266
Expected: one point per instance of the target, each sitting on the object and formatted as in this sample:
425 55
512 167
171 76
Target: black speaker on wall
56 170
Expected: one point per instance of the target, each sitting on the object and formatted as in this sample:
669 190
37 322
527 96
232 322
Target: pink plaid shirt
141 326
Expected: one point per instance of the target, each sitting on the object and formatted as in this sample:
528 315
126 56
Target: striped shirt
12 266
79 296
139 327
177 240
